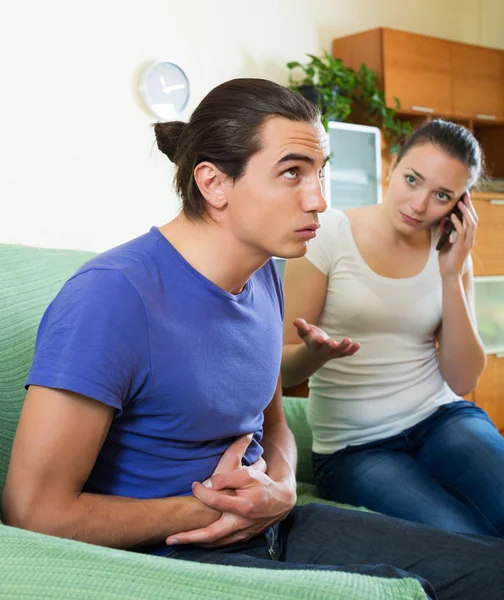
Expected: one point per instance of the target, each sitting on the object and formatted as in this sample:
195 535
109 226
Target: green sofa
33 565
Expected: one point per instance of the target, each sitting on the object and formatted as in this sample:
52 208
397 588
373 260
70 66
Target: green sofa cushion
37 566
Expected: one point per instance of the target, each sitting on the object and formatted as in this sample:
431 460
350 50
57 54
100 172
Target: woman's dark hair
225 129
457 141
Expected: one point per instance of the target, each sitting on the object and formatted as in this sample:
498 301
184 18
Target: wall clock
164 87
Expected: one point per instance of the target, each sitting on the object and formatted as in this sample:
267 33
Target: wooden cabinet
488 251
417 70
489 394
477 82
430 75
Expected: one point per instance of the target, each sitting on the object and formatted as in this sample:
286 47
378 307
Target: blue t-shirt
188 366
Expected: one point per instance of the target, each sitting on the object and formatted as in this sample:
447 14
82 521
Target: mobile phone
450 227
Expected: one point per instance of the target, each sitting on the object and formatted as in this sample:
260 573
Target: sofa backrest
29 279
295 413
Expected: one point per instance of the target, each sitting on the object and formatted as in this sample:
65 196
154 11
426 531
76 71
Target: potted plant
341 93
326 82
371 102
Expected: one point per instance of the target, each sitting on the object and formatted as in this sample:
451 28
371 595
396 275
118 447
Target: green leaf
340 89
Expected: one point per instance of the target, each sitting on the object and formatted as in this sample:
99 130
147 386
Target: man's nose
314 200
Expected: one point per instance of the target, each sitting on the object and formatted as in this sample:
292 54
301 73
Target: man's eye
290 173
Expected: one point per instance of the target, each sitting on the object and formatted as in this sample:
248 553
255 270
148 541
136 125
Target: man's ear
210 180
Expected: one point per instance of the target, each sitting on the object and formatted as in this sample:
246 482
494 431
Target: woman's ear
392 166
209 180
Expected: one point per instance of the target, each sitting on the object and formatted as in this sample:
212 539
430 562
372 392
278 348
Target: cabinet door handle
496 201
487 117
425 109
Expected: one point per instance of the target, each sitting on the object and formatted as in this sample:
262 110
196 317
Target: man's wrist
202 514
288 485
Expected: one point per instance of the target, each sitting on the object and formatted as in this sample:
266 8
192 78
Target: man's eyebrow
293 156
443 189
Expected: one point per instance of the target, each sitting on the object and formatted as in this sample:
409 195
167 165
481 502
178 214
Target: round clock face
165 89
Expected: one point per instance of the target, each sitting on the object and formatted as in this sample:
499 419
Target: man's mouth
308 232
311 227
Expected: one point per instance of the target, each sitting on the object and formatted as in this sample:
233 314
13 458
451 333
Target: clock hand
172 88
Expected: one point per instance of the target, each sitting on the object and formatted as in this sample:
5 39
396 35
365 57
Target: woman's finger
470 207
345 350
353 349
459 228
470 226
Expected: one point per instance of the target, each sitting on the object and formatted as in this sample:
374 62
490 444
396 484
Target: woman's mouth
410 220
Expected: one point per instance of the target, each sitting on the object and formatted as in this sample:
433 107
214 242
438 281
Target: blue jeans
447 472
316 536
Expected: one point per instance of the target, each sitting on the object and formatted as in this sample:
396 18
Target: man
153 418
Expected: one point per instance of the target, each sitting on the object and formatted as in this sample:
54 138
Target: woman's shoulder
362 214
348 220
332 228
333 218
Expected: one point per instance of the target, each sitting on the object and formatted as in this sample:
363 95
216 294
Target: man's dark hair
225 129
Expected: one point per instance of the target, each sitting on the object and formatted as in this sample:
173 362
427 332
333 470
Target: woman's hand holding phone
464 221
449 226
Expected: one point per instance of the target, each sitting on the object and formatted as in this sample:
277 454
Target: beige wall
77 164
470 21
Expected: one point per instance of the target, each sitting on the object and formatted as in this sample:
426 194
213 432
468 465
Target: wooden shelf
488 196
491 139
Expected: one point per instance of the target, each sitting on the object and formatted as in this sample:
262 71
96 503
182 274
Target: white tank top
393 381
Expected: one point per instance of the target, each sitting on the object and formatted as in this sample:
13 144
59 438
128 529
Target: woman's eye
443 196
321 174
411 179
291 173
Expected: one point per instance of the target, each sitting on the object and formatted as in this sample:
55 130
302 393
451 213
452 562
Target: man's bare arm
59 436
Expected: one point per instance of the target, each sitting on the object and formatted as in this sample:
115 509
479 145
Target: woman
391 430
